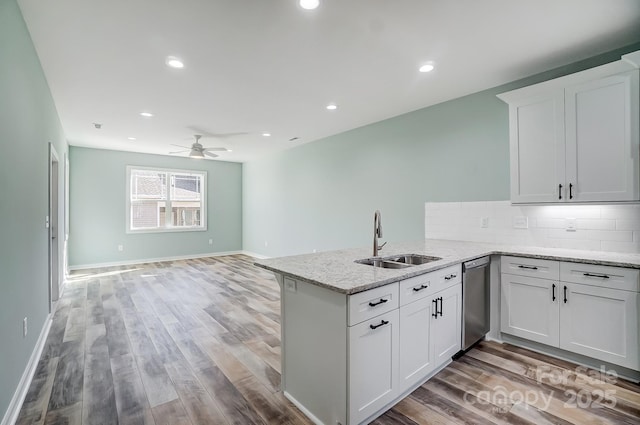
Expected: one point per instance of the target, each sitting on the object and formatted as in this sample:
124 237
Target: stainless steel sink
379 262
413 259
398 261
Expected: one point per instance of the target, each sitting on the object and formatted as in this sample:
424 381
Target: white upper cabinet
575 138
602 139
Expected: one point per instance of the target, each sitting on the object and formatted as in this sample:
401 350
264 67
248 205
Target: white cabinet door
537 150
446 329
529 308
416 358
602 139
601 323
373 365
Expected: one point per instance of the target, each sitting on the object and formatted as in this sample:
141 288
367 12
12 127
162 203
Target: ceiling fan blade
210 155
216 149
208 134
180 146
172 153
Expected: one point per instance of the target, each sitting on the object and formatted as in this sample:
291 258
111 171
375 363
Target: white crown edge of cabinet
627 62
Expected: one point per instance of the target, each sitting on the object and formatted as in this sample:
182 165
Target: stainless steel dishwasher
475 301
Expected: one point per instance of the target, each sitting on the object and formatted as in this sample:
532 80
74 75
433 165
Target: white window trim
202 228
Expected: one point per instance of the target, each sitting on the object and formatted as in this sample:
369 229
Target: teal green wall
322 195
28 122
97 205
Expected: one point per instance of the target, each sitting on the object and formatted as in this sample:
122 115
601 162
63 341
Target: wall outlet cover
484 222
520 222
570 224
120 248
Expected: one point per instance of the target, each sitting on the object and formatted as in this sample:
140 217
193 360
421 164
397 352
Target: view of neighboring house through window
165 200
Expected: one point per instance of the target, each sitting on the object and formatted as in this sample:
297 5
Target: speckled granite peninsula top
336 270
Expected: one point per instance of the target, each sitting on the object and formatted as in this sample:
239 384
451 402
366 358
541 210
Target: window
165 200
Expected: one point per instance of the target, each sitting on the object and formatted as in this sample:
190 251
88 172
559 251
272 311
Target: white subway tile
622 212
628 224
613 246
563 234
551 223
574 244
596 224
610 235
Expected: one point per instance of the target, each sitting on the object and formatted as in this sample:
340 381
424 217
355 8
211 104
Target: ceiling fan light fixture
195 153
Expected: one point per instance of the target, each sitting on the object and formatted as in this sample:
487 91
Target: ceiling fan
198 151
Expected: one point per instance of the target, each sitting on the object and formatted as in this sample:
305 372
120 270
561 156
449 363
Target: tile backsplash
592 227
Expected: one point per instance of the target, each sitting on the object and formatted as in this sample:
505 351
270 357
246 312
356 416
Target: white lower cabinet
416 341
600 323
529 308
446 329
373 365
348 358
595 314
430 334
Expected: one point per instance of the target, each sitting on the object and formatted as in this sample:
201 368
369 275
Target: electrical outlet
570 224
314 250
210 241
120 248
520 222
266 243
25 327
484 222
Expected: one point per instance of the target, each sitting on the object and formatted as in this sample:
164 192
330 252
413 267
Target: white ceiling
259 66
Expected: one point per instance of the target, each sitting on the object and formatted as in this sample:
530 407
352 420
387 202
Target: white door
537 150
446 329
529 308
373 365
602 139
601 323
415 338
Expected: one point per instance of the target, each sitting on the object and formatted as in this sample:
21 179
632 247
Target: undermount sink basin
398 261
413 259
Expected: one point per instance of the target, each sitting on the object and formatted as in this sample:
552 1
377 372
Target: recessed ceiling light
131 138
427 67
174 62
309 4
146 114
332 106
266 134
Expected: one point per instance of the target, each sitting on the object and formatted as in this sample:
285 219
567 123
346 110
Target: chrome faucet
377 233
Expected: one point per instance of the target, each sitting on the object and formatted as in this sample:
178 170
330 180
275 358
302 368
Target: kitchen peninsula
356 338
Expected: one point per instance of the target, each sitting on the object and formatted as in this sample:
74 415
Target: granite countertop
336 270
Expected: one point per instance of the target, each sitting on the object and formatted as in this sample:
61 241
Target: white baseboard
254 255
303 409
11 415
152 260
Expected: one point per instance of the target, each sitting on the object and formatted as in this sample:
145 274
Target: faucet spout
377 232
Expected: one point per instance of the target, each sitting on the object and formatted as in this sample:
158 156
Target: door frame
54 227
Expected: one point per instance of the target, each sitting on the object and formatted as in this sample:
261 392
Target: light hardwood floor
198 342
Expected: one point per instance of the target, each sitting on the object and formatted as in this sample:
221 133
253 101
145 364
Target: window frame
170 172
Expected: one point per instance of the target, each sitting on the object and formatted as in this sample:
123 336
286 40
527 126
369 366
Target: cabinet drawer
604 276
417 287
522 266
368 304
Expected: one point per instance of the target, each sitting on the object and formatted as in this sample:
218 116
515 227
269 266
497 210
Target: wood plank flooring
198 342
